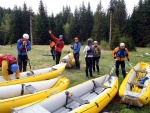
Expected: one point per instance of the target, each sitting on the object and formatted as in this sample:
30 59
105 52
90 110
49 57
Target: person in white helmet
96 57
119 55
23 46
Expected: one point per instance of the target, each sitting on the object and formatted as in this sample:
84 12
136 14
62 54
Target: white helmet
122 44
26 36
95 42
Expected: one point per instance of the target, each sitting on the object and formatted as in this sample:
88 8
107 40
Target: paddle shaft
28 57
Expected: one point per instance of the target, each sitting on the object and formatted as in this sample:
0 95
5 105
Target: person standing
58 47
96 57
76 50
23 46
88 51
119 55
9 66
52 47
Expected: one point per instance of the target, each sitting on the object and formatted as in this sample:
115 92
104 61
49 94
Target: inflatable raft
89 97
135 89
35 75
69 59
17 95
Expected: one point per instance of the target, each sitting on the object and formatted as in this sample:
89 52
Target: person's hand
25 43
116 60
50 31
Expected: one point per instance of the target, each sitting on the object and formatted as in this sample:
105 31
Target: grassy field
78 76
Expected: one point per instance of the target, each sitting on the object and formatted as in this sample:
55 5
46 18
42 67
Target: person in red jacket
58 47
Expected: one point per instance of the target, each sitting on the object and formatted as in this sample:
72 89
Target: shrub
104 45
148 45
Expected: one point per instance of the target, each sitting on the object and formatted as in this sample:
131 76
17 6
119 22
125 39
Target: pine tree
41 26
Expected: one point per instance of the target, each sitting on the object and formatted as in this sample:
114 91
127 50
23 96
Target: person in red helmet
76 50
59 45
9 66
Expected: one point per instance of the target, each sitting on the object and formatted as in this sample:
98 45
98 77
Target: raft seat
32 109
96 85
74 98
142 71
31 89
137 84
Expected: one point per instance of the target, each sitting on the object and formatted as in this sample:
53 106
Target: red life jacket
24 48
9 58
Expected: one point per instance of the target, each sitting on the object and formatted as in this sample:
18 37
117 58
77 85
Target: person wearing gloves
23 46
88 51
76 50
9 66
119 55
96 57
58 47
52 48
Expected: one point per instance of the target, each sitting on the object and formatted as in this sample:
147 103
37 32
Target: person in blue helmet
8 63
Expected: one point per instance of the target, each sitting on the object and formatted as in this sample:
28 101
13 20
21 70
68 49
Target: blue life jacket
143 80
122 53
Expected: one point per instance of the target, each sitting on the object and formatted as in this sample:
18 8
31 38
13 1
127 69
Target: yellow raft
89 97
35 75
132 90
69 59
17 95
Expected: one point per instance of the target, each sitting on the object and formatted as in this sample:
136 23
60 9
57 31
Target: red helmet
76 38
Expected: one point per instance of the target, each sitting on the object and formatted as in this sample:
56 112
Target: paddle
28 58
132 68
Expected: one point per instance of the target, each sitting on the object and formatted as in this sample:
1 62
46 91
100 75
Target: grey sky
56 6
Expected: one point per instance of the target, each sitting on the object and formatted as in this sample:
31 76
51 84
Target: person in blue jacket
23 46
76 50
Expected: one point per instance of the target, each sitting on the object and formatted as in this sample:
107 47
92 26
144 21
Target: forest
133 29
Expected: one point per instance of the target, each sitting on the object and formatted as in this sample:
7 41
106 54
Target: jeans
53 53
122 63
58 55
22 62
76 57
89 63
96 62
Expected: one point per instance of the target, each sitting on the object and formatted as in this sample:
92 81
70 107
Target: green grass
78 76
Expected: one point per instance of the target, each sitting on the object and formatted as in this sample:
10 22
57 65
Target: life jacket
91 51
52 44
75 46
121 53
96 51
24 48
9 58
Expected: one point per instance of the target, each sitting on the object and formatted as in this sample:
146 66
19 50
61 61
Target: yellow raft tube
35 75
133 89
17 95
69 59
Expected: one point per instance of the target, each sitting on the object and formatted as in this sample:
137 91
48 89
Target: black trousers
53 53
58 55
22 62
76 57
89 63
122 63
96 63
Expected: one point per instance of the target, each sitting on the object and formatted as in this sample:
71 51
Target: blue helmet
14 67
61 36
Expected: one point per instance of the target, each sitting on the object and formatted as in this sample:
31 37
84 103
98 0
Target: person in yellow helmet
119 55
9 66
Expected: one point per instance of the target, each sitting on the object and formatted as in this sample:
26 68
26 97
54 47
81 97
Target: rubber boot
86 73
91 75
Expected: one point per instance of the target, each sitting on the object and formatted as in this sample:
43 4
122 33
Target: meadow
39 61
